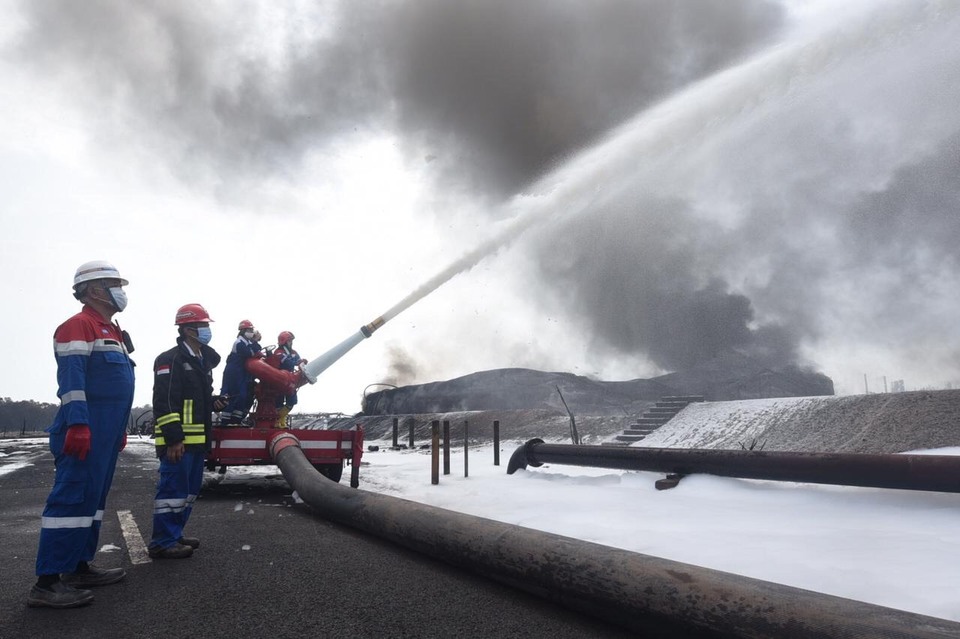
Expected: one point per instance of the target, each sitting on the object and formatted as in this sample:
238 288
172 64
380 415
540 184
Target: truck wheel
333 472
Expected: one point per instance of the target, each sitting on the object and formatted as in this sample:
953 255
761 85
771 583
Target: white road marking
131 533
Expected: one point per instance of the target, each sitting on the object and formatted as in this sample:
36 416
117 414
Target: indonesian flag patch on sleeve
163 369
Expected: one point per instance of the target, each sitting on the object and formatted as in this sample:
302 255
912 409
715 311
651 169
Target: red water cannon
272 384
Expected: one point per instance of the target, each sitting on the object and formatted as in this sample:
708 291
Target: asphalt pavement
267 567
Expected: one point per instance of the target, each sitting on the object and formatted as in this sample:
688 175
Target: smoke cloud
835 201
647 288
760 238
500 91
491 92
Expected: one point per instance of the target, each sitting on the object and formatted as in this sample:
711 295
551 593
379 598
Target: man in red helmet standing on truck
288 360
237 384
95 387
183 403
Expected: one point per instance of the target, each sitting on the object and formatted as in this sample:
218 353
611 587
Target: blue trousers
177 490
70 525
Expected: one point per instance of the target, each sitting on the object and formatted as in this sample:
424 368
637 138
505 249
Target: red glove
123 444
77 443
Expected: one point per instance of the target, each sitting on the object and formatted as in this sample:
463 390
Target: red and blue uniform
289 359
95 386
237 382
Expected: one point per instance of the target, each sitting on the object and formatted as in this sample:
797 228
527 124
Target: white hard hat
97 270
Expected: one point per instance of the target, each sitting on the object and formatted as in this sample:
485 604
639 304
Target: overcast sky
765 175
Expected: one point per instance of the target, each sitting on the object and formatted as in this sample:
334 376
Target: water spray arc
465 263
644 593
643 148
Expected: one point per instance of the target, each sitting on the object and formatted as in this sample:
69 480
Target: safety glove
77 442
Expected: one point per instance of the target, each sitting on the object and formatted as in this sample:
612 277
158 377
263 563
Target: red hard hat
244 325
191 314
285 338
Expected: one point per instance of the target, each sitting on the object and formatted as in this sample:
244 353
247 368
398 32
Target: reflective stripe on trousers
70 524
177 490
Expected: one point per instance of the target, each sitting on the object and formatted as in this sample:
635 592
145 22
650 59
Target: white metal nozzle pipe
316 366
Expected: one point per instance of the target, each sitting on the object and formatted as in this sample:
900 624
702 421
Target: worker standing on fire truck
95 387
289 359
237 384
183 403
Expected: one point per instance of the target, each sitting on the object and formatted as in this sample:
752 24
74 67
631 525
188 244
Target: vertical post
412 424
435 453
446 447
396 432
356 453
466 448
496 442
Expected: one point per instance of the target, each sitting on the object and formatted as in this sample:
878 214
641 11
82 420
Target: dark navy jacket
183 397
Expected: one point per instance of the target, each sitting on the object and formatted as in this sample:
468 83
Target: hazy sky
776 176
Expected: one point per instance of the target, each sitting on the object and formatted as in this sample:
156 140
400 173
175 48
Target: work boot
92 576
58 595
176 551
193 542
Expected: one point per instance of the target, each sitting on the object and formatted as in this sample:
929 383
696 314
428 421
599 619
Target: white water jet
672 136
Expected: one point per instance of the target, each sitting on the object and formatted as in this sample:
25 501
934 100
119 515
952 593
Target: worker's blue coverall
237 382
95 385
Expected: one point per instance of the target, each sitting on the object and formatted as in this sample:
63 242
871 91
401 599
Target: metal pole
496 442
466 448
435 452
446 447
356 453
412 424
396 432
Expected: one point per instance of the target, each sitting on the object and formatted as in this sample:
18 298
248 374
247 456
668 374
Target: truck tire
333 472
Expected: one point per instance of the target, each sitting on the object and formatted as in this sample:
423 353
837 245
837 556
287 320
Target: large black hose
645 594
907 472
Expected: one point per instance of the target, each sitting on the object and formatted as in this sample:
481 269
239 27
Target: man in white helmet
95 387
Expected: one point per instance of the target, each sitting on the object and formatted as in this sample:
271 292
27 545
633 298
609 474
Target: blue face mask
118 297
204 334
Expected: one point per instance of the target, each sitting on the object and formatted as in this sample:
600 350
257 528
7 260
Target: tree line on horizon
19 417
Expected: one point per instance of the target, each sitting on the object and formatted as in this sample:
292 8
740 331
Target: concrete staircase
655 417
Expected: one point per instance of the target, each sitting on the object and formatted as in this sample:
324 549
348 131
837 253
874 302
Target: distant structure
731 376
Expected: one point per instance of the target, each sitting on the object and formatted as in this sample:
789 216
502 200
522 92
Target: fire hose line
639 592
939 473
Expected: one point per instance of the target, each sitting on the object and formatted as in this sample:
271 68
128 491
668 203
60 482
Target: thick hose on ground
645 594
906 472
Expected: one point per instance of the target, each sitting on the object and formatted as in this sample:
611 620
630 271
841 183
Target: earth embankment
880 423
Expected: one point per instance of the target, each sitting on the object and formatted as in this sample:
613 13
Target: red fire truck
249 444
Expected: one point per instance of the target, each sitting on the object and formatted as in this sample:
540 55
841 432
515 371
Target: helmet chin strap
189 334
91 296
109 299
